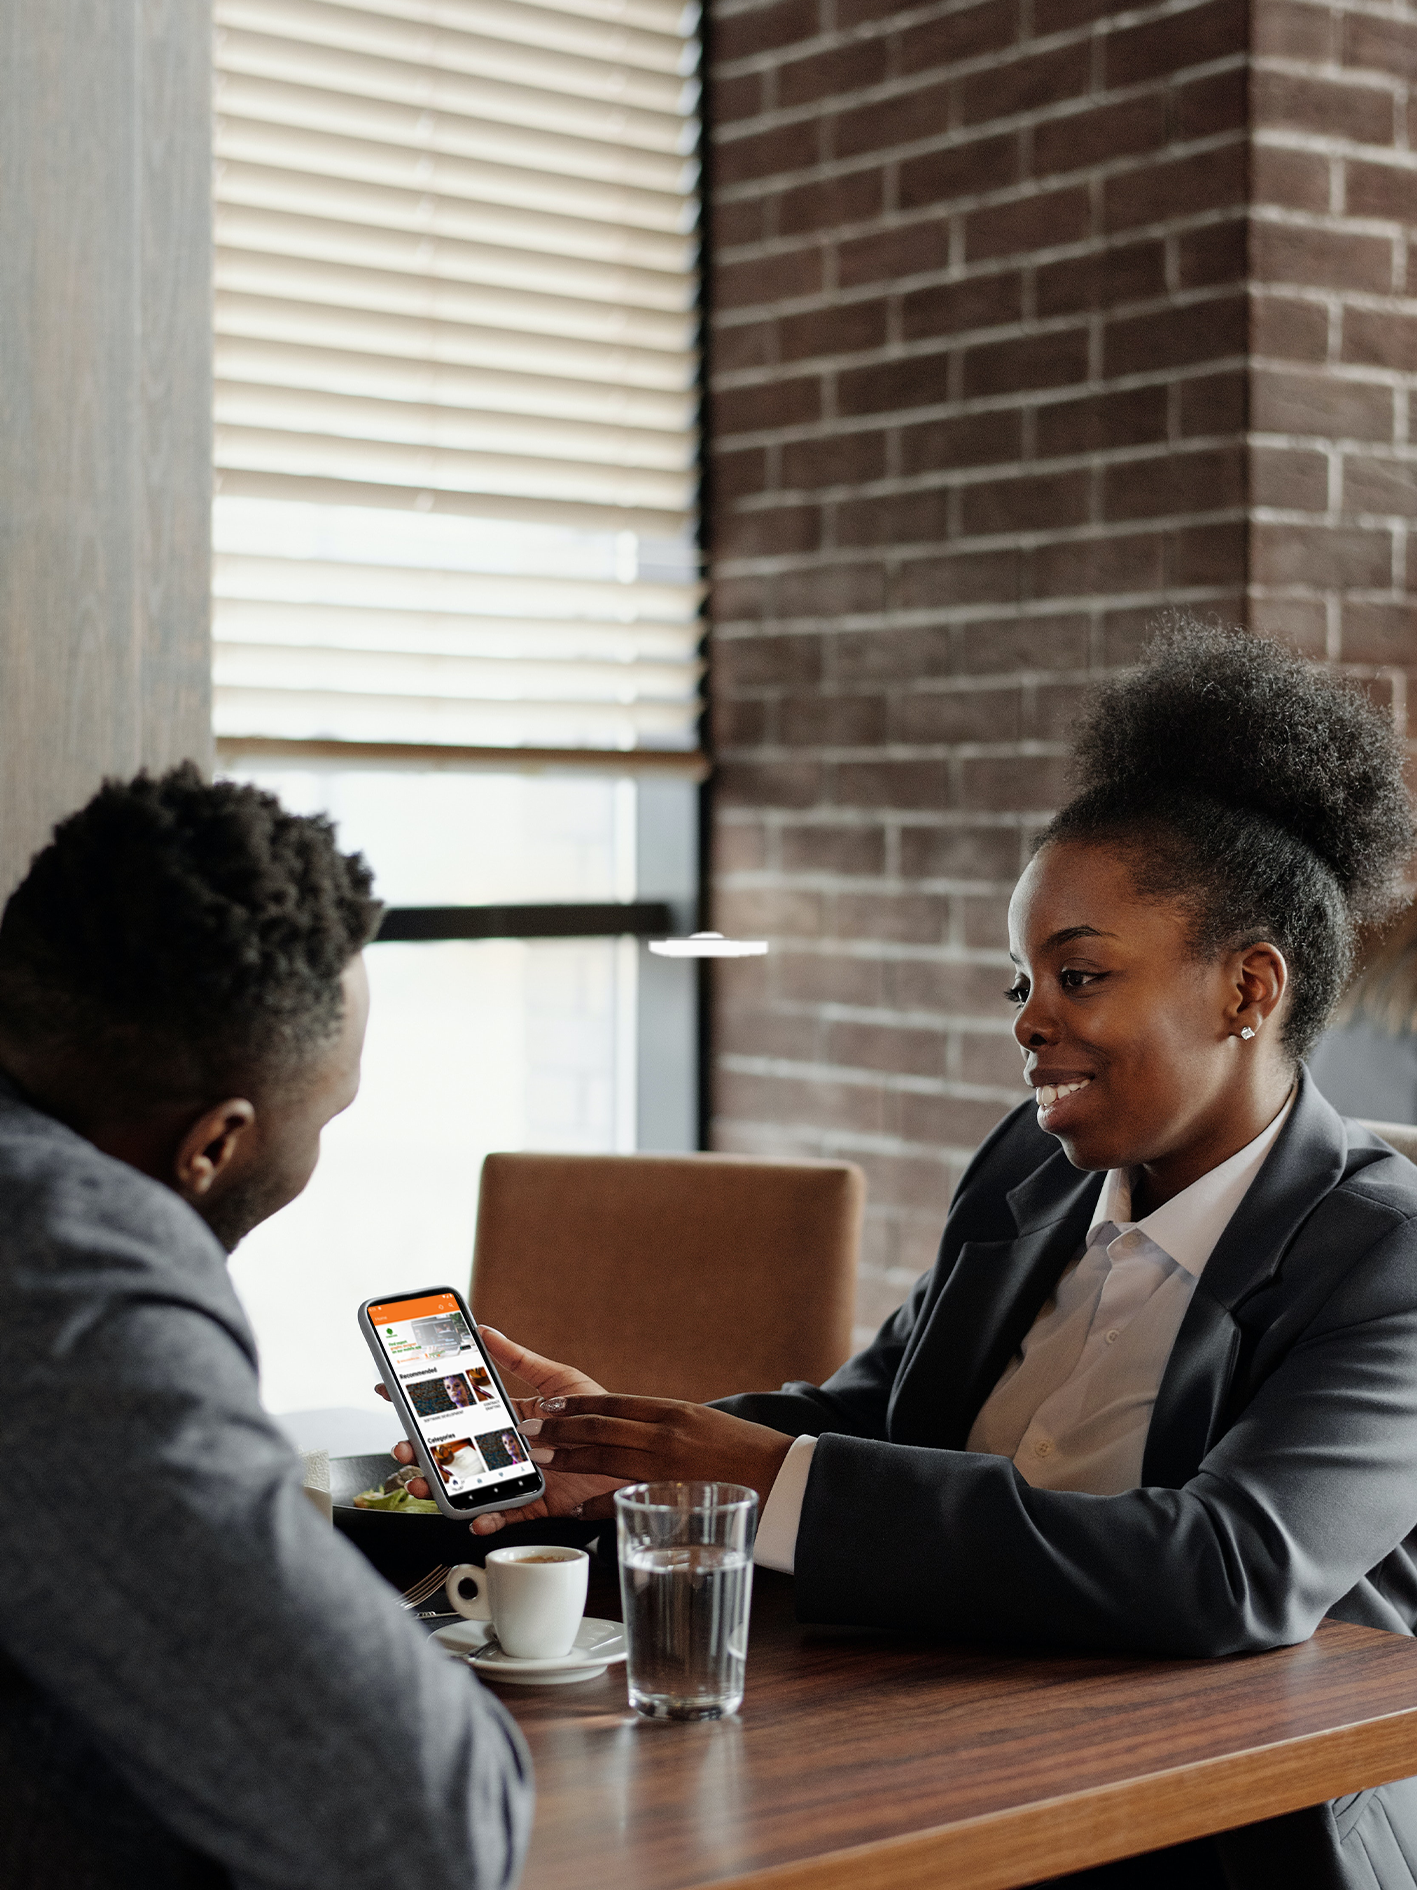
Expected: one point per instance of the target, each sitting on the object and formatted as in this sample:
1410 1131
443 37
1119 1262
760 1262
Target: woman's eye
1076 980
1017 994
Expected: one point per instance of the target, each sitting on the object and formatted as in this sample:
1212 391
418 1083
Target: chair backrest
1399 1135
678 1276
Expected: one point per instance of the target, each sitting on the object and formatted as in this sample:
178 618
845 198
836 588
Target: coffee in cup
534 1596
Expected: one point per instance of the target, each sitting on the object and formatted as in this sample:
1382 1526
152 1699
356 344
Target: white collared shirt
1073 1406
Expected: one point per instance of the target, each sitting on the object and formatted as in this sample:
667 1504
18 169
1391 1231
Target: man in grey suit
200 1682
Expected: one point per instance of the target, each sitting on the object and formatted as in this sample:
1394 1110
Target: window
456 373
456 585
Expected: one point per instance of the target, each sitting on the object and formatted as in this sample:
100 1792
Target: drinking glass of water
686 1578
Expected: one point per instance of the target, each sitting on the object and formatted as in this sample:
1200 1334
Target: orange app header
399 1309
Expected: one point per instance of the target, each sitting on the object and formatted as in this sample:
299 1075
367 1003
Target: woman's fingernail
530 1426
551 1404
542 1456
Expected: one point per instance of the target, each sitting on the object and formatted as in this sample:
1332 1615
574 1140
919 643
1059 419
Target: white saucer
598 1645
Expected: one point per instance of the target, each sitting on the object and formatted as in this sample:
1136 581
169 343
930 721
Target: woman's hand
551 1380
651 1440
566 1494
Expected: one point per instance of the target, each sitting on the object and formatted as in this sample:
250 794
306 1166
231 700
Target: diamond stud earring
1247 1032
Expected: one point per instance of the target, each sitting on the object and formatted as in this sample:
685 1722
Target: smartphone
446 1390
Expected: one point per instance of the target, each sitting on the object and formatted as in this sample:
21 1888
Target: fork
422 1590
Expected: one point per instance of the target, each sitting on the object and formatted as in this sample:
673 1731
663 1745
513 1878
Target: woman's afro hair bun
1221 716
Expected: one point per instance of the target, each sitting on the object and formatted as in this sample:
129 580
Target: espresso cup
533 1595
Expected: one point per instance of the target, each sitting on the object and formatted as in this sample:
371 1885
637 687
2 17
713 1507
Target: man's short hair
176 934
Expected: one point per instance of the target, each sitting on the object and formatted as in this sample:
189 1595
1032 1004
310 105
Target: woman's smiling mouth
1049 1093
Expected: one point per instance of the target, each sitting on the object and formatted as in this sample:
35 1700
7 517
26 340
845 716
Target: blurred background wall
105 401
1029 319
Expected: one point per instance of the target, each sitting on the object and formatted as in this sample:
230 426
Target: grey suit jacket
1280 1475
200 1682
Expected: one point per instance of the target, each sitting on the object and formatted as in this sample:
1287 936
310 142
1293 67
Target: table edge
1000 1850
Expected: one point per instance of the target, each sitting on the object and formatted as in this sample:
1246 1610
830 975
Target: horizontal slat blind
456 330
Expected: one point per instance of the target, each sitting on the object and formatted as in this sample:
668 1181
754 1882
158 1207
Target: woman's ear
211 1145
1261 980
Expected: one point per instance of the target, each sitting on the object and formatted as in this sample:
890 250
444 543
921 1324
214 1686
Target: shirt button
1113 1336
1042 1447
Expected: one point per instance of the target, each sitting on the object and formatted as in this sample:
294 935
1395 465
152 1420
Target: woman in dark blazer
1229 1452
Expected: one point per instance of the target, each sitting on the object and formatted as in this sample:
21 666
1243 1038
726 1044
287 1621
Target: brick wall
999 290
1335 332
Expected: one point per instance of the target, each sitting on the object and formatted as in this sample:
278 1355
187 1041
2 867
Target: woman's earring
1247 1032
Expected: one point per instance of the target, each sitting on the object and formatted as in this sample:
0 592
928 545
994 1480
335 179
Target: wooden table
891 1763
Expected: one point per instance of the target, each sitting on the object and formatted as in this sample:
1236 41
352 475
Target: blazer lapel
988 1302
1186 1417
1304 1165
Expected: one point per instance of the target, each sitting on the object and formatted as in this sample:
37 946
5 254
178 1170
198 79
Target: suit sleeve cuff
776 1544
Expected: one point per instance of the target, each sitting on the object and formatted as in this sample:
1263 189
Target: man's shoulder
88 1245
58 1191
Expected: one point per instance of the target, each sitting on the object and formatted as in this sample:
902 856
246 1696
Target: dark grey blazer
1280 1476
201 1683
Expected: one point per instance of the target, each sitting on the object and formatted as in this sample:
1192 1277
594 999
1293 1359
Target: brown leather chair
1399 1135
678 1276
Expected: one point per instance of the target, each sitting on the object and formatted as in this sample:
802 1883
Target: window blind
456 372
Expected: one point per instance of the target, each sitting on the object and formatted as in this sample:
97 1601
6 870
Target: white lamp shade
708 945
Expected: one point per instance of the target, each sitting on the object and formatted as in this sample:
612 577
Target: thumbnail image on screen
502 1449
430 1397
457 1460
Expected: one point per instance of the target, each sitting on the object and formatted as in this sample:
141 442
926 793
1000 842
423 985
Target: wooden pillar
105 401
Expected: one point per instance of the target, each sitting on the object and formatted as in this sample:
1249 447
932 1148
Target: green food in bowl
399 1501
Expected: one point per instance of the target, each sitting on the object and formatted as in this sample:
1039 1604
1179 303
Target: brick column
1000 290
1334 333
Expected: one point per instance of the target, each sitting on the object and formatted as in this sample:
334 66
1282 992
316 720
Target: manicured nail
551 1404
530 1426
543 1456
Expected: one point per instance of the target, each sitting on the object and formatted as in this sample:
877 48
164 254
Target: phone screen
440 1366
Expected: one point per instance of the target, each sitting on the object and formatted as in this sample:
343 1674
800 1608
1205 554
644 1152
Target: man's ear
211 1145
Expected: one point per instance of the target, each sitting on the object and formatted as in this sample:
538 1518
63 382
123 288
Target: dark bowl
403 1548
